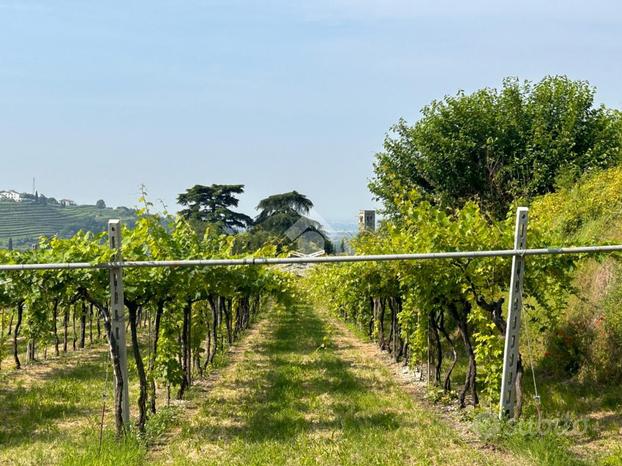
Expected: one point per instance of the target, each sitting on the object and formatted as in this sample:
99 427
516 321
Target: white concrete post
515 305
117 313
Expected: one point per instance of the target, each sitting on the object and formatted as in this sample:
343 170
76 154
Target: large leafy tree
212 205
498 145
285 216
280 212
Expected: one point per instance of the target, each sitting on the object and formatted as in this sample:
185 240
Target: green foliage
586 341
282 218
466 296
498 145
489 356
184 305
211 205
287 202
584 212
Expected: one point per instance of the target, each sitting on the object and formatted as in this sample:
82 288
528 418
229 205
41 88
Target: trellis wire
308 260
314 260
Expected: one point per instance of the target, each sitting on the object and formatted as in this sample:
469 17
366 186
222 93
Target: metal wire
314 260
536 397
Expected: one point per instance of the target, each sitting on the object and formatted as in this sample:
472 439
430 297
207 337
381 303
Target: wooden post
515 305
117 314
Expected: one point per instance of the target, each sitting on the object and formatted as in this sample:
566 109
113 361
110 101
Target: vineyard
442 316
24 222
461 331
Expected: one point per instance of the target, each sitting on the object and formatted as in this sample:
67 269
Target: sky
97 98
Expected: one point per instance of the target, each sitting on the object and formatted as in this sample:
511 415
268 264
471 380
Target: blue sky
99 97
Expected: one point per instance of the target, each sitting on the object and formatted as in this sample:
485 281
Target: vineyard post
117 311
515 305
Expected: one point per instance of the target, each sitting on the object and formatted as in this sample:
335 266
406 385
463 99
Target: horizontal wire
314 260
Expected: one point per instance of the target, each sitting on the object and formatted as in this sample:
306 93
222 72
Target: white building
11 195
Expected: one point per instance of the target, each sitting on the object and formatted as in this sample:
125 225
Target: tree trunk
186 360
447 383
73 323
30 350
55 327
91 325
380 313
140 368
396 343
118 373
65 326
154 353
18 324
372 320
519 387
1 332
208 348
439 348
83 325
461 316
391 328
214 306
226 307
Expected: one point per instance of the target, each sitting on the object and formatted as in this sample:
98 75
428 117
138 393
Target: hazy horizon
97 99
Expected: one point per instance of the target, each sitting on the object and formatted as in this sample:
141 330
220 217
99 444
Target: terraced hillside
24 222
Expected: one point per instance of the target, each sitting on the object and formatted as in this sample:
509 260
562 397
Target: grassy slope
577 366
25 222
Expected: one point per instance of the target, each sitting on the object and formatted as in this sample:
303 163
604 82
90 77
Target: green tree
212 205
496 146
284 216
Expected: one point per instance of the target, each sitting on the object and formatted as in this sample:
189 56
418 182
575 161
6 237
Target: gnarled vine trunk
118 372
460 312
154 354
18 324
443 330
140 367
186 350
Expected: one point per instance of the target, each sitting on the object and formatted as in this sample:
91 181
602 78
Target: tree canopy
212 205
292 203
495 146
284 216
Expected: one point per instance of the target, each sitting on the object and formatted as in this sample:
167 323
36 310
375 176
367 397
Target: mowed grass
303 394
301 389
50 413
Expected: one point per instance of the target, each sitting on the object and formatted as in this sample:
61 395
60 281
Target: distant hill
24 222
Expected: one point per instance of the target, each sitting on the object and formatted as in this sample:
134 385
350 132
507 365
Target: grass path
304 392
298 388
